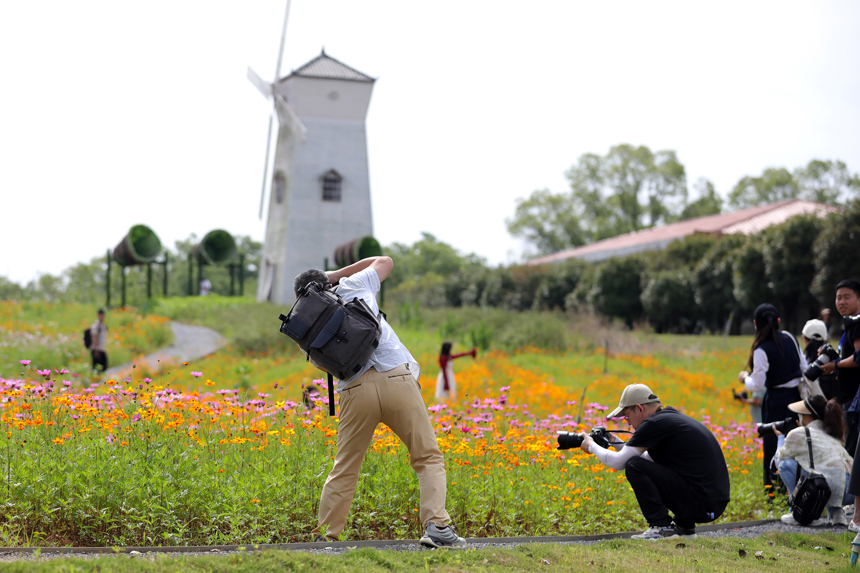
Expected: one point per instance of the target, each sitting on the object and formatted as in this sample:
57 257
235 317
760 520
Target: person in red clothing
446 384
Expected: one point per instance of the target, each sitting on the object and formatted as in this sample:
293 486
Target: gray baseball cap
632 395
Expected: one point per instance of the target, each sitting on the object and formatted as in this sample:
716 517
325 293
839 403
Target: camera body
828 354
784 426
740 396
569 440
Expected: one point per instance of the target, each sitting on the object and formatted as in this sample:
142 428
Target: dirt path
189 343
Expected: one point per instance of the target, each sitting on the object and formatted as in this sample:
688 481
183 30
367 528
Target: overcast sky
117 113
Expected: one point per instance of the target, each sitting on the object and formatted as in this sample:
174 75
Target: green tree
708 203
627 189
10 290
774 184
827 182
669 301
425 256
790 268
549 221
751 285
617 289
834 252
713 282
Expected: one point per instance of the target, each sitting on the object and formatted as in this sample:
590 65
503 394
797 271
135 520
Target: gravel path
741 531
189 343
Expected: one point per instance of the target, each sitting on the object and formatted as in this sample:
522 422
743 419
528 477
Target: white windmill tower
319 196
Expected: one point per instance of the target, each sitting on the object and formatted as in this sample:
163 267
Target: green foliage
669 301
426 256
481 336
790 269
547 220
618 288
748 273
823 181
774 184
713 282
834 250
533 330
708 203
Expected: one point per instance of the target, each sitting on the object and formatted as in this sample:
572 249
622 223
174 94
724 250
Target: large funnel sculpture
357 249
216 248
140 246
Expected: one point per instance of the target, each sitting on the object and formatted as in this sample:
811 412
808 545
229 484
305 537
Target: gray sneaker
441 537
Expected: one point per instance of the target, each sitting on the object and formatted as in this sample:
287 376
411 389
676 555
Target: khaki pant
393 398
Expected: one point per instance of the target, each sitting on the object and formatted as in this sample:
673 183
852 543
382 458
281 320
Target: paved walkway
189 343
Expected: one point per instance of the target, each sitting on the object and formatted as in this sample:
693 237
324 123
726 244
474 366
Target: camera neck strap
809 445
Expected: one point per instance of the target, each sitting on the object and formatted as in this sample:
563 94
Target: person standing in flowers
673 463
384 391
98 350
446 384
776 366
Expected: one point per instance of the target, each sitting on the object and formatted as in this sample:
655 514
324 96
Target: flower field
52 335
223 450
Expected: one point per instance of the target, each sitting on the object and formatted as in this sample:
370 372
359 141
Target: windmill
319 197
268 91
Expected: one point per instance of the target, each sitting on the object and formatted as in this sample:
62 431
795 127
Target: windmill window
331 186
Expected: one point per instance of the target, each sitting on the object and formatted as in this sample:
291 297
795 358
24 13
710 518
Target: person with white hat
814 336
823 419
673 463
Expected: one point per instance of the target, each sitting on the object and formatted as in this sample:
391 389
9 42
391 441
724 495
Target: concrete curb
356 544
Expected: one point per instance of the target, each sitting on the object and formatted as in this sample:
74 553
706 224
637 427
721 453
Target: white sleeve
615 460
755 381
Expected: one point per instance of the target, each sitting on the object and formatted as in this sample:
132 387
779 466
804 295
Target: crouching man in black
673 463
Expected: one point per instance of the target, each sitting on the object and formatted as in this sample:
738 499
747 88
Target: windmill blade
283 40
265 166
259 83
286 116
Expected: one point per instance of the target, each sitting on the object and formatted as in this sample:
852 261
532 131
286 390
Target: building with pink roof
747 222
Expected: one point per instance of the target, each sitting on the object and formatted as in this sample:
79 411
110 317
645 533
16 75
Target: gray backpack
339 336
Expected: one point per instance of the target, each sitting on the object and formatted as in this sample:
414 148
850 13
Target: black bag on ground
811 493
338 336
88 339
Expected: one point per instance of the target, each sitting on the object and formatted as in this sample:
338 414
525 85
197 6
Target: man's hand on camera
828 368
586 444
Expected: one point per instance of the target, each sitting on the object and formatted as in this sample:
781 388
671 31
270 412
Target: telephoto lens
828 354
569 440
784 426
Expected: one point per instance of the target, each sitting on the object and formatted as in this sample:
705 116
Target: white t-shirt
390 353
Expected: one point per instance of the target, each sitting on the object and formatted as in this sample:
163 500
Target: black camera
569 440
828 354
784 426
742 396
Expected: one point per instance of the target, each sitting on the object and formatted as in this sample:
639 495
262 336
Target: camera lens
569 440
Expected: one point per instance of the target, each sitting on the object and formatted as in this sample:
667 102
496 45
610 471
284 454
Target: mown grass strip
772 552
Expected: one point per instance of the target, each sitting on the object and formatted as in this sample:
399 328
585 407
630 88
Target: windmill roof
324 66
746 221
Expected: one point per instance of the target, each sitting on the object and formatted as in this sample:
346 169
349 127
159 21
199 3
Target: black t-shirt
848 379
688 448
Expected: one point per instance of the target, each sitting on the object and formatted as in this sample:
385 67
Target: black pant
774 408
660 490
99 359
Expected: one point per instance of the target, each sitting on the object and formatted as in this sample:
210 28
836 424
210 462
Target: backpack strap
330 329
331 395
809 445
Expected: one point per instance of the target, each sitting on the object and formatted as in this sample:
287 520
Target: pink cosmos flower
197 374
46 372
24 362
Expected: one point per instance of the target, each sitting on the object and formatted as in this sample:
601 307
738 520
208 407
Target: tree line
632 188
696 284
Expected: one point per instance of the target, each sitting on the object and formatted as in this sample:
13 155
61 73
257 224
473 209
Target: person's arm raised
382 266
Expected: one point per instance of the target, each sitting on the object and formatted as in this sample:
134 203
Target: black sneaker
441 537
